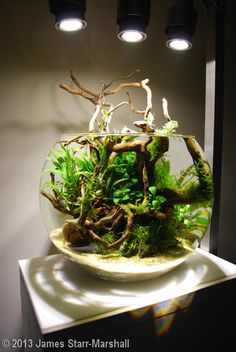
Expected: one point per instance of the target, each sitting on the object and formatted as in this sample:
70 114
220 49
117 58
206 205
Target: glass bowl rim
124 134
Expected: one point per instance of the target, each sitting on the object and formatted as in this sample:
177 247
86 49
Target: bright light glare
179 44
70 25
132 36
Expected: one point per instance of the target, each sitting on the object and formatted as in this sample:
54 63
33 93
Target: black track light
182 19
69 14
133 18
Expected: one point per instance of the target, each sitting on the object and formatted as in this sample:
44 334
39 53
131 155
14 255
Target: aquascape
124 193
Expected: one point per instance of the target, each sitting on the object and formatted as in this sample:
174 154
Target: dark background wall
227 233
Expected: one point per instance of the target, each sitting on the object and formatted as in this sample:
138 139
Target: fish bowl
126 206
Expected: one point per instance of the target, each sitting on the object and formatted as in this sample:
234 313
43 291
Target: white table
63 296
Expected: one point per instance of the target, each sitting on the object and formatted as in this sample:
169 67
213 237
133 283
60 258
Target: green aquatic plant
119 189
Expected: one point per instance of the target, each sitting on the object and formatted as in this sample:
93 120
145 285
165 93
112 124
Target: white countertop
63 295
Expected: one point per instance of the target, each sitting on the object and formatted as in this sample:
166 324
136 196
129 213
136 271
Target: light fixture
69 14
133 18
182 19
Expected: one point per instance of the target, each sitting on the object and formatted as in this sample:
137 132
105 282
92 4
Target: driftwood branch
128 147
117 106
72 227
149 99
98 99
198 157
85 90
133 109
121 86
94 118
107 85
107 116
161 216
165 109
80 92
142 84
56 203
125 235
97 238
108 219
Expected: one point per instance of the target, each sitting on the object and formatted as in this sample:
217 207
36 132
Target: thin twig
133 109
118 106
107 219
56 203
80 92
76 82
125 235
122 86
145 183
97 238
107 85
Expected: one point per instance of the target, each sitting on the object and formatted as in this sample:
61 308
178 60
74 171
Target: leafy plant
155 201
123 181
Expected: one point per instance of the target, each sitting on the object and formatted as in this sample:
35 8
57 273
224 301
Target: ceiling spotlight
69 14
179 44
133 18
182 19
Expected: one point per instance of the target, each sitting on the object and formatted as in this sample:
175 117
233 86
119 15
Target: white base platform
63 295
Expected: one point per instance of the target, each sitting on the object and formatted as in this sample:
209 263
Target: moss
163 178
151 239
153 148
